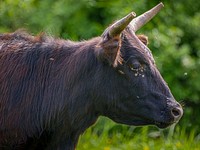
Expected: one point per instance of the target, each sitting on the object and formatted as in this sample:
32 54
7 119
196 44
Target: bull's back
25 68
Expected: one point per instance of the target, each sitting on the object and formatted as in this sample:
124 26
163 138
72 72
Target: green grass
107 135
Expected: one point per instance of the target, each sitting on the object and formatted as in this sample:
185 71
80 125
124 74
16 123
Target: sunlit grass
106 135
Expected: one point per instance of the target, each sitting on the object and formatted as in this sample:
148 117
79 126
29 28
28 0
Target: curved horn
141 20
120 25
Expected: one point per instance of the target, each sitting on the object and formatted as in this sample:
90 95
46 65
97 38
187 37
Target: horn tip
161 4
133 14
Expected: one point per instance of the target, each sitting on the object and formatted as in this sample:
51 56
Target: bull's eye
137 69
135 66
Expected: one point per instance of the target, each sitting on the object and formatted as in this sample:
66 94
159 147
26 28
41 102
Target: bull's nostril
176 112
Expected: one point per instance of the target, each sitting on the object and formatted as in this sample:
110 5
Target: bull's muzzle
176 110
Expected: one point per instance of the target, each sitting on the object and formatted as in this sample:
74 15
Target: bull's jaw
141 121
171 114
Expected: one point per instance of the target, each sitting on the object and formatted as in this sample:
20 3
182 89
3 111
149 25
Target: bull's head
135 91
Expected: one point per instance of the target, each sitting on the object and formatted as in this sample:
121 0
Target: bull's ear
108 49
143 39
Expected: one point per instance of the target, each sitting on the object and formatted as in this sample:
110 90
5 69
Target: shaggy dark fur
52 90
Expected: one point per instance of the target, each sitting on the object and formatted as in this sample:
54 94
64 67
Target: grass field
107 135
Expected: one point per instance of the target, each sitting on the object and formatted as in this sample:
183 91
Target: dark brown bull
52 90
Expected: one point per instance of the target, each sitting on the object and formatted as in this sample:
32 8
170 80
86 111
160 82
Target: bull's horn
141 20
120 25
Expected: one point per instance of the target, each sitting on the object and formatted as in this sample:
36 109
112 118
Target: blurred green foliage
174 35
122 137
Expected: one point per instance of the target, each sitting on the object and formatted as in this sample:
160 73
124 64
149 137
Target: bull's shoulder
21 36
22 40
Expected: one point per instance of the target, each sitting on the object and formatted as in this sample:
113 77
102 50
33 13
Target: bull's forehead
141 48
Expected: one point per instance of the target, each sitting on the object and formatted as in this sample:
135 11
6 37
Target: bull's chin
144 122
162 125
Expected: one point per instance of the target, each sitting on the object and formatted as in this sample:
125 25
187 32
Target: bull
52 90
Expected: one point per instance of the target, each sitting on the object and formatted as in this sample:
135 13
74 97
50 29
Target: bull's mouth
159 124
140 121
162 125
147 121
